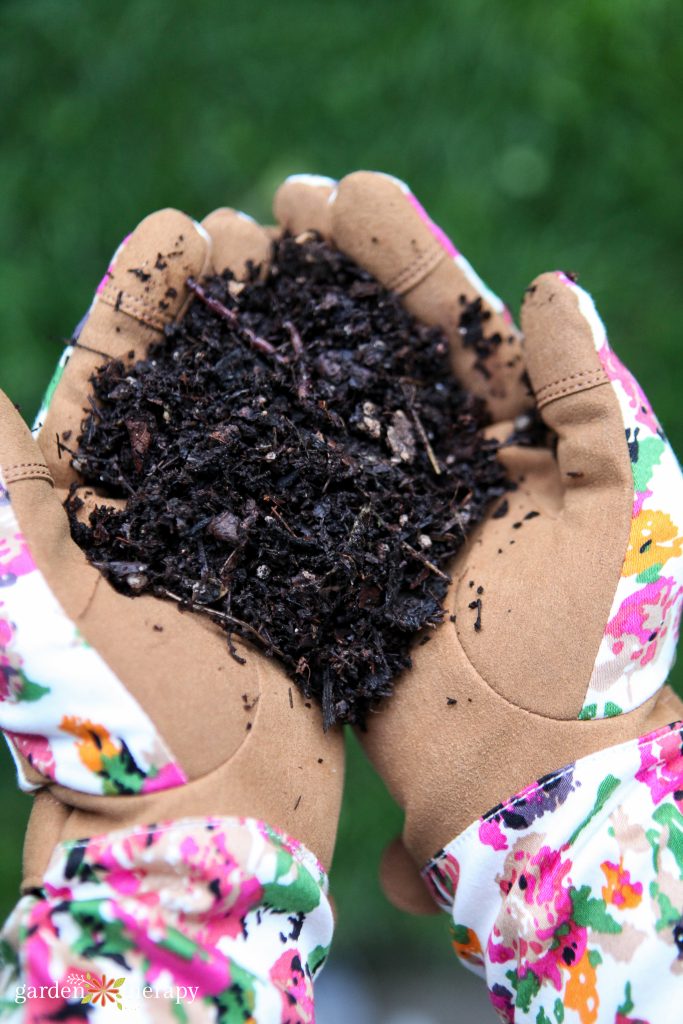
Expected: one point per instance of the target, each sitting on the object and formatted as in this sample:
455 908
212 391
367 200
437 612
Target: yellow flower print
581 991
620 891
95 744
653 540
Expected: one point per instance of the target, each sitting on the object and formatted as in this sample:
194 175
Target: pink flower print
661 765
10 680
233 896
491 834
296 988
503 1003
537 905
6 674
6 633
441 878
637 400
36 750
169 776
640 626
15 558
438 233
645 611
193 964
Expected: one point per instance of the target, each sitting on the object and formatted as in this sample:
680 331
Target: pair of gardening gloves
560 623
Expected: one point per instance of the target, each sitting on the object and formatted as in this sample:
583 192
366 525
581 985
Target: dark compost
299 463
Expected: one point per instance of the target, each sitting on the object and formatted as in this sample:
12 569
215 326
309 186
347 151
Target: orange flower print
95 744
581 991
620 891
653 540
466 945
102 989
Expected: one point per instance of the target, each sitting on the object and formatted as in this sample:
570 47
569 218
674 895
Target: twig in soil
265 643
423 433
87 348
425 561
231 317
478 606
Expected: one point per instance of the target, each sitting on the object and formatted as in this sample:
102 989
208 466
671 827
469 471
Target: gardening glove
208 790
560 631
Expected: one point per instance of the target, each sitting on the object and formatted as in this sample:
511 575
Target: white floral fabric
568 898
639 643
208 921
61 706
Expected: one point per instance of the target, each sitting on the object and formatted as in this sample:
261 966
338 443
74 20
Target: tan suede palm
246 740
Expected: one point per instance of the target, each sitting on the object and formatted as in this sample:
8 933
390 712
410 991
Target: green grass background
539 135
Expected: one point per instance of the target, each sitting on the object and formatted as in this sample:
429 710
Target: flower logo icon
102 989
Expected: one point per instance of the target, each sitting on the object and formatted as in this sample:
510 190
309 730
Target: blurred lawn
539 135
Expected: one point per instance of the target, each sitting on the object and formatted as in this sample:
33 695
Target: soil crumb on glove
299 464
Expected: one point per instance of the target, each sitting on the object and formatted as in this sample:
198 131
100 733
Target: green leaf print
30 690
649 453
605 790
121 773
460 934
590 711
298 896
650 575
652 836
542 1017
612 709
99 935
592 913
9 957
628 1005
525 988
558 1011
668 913
669 815
178 944
236 1004
52 386
179 1012
317 958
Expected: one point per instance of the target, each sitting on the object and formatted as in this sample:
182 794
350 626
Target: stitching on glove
135 307
416 272
571 376
582 381
27 471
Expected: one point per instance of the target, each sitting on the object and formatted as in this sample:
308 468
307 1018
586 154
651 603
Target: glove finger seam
563 388
140 310
412 275
19 471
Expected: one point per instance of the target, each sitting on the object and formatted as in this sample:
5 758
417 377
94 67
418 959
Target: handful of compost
299 463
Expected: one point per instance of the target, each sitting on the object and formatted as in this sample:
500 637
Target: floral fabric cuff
568 898
212 919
